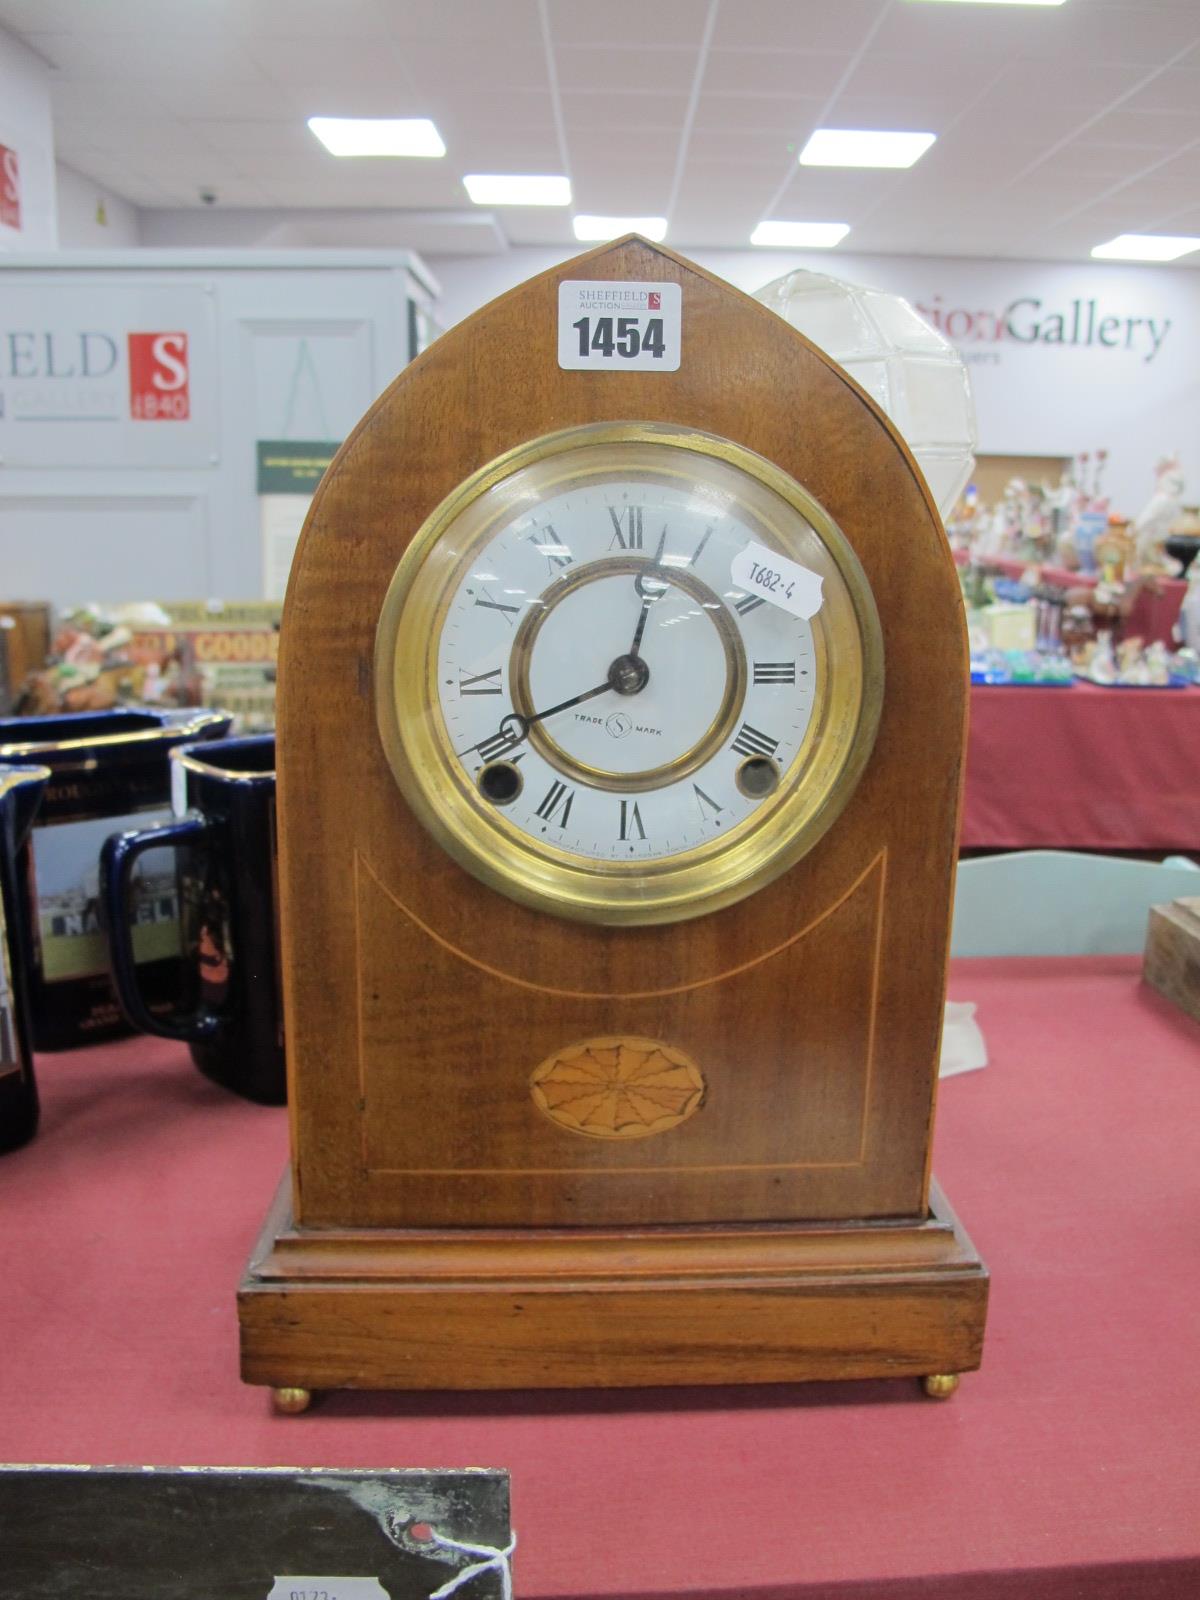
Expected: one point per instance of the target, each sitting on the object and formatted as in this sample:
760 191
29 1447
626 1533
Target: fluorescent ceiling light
612 227
800 235
1005 2
864 147
512 189
1145 247
378 136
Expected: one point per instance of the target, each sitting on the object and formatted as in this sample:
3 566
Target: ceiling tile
786 115
214 98
157 58
744 146
784 25
1186 220
1131 34
976 37
349 66
895 108
829 191
497 108
622 194
73 99
604 71
674 25
464 23
618 112
512 150
445 66
1175 89
792 74
289 139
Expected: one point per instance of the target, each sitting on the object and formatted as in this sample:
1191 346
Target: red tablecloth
1074 1160
1083 768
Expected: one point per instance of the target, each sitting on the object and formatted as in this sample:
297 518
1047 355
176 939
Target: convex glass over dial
628 673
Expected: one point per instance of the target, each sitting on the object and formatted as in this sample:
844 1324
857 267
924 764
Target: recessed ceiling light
378 136
612 227
864 147
1145 247
513 189
800 235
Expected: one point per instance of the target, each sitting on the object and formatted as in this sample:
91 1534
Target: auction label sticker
774 578
630 327
309 1588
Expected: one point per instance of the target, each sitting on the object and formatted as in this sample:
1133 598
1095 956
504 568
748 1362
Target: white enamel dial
692 697
588 710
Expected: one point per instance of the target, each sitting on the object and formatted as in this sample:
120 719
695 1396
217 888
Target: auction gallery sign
106 372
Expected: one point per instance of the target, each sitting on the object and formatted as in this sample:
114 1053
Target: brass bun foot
291 1402
940 1385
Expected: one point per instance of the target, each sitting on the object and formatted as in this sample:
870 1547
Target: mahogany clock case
439 1228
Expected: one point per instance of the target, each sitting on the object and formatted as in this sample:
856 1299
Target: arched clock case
621 723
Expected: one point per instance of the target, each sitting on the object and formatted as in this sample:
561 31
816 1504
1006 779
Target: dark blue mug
108 769
228 1008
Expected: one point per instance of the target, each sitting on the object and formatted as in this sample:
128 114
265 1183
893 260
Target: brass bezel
818 784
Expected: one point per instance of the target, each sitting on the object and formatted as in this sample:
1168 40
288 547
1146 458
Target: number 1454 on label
621 336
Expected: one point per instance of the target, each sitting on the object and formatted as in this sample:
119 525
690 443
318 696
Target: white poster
105 373
282 519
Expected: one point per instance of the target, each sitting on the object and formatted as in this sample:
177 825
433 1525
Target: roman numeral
497 745
558 795
631 819
699 550
703 800
627 527
480 683
489 604
750 742
556 553
774 672
748 603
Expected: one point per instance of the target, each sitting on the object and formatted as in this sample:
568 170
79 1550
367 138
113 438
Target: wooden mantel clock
621 715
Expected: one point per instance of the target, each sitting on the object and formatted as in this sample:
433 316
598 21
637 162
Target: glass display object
906 366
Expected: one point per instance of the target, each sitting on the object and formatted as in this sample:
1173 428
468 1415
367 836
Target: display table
1074 1160
1083 768
1153 614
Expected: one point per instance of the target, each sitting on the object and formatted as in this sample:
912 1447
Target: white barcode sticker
774 578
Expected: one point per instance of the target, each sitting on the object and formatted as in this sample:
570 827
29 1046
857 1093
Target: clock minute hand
514 735
575 700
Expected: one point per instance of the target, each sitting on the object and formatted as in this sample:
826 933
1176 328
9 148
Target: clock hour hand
639 583
514 727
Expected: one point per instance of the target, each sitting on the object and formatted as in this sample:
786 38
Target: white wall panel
75 548
289 345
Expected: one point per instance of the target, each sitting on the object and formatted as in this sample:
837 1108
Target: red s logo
158 377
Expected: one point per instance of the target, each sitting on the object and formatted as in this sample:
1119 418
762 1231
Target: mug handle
118 857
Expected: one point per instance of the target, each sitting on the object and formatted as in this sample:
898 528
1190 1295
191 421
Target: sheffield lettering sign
97 369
